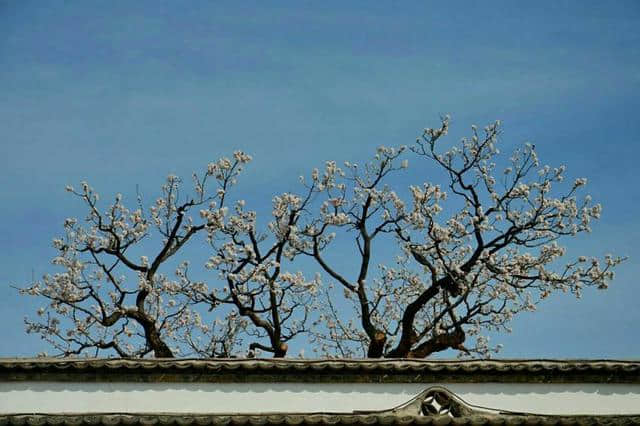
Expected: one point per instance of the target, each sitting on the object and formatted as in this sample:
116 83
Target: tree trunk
280 351
152 336
376 345
160 349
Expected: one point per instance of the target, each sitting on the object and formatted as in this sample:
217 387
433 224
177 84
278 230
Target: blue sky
122 93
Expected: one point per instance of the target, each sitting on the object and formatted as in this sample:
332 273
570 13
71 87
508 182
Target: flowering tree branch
435 267
276 302
494 256
104 300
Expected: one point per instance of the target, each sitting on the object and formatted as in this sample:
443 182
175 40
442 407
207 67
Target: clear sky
121 93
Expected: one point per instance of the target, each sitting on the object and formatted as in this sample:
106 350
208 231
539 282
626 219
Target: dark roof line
340 370
381 418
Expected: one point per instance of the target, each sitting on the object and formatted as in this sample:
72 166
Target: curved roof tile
367 370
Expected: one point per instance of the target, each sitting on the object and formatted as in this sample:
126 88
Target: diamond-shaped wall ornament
437 403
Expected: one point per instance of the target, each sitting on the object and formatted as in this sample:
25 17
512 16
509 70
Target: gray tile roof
290 370
371 419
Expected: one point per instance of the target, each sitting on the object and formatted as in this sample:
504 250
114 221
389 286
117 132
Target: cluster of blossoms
105 299
463 275
471 254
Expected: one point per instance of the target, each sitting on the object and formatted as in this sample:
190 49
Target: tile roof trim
323 370
259 419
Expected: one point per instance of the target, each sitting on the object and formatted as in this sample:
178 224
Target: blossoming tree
469 256
460 272
277 303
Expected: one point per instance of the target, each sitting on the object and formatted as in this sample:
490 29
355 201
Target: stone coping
372 419
323 370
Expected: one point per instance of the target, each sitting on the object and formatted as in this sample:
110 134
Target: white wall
49 397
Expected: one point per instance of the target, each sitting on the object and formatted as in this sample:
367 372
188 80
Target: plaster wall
54 397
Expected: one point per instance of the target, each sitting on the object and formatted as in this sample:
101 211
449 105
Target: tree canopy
469 253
